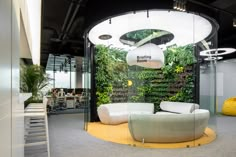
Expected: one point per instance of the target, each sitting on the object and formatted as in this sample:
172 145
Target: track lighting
179 5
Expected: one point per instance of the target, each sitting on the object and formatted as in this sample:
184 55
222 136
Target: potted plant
32 80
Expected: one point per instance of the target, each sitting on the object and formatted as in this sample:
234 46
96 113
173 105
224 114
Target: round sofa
169 125
117 113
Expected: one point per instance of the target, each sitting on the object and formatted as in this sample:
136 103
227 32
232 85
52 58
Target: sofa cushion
178 107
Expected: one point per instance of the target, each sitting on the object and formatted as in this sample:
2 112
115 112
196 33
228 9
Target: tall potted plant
33 80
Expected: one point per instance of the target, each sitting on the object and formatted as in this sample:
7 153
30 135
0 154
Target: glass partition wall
65 92
147 84
62 70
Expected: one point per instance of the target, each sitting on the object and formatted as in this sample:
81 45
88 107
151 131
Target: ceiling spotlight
184 7
180 5
234 22
105 37
175 5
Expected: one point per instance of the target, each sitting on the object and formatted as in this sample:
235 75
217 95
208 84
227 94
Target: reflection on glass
62 79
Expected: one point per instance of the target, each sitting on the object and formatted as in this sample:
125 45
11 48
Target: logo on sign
143 58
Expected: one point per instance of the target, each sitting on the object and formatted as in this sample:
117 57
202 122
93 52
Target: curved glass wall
148 79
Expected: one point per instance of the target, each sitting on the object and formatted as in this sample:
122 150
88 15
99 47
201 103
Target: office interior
141 78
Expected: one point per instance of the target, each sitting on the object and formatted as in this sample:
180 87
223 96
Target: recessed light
105 37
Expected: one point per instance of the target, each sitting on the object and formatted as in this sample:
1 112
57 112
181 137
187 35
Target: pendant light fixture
148 56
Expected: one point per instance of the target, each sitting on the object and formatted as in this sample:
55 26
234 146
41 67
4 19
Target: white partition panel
11 136
5 79
17 107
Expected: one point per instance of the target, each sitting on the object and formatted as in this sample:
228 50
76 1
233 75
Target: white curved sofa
178 107
117 113
186 125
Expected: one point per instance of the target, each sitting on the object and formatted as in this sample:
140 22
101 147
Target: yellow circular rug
120 134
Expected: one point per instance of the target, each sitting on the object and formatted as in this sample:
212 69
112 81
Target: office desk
69 100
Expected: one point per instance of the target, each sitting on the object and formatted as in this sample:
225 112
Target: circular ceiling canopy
187 28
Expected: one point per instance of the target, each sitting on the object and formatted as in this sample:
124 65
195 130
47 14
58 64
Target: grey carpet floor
68 139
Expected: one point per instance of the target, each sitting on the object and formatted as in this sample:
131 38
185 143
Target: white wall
11 117
17 108
62 79
24 45
31 16
5 79
226 85
26 22
207 87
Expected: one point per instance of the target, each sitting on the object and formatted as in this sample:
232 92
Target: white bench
117 113
177 107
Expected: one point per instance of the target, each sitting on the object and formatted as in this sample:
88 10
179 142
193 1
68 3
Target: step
36 134
35 137
36 125
35 129
39 148
35 144
37 120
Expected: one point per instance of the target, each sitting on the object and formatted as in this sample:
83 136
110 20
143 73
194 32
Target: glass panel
207 73
62 70
149 74
65 89
86 84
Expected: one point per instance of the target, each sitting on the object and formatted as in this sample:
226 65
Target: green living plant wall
174 82
111 71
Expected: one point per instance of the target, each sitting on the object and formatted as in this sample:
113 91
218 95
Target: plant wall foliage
174 82
111 71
